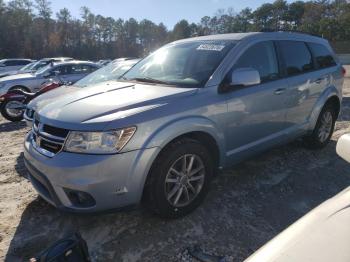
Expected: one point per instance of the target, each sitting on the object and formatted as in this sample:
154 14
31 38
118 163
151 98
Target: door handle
279 91
321 79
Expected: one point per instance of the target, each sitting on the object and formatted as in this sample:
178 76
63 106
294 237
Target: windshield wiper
148 80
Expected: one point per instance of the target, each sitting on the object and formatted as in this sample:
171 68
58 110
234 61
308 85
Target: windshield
185 64
40 64
27 67
112 71
43 69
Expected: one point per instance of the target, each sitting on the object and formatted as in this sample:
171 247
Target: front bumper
113 181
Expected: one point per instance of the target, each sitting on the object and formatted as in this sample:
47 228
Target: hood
17 77
98 105
10 73
51 96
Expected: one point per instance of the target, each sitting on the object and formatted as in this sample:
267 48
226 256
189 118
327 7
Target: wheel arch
335 102
19 87
202 137
200 128
197 128
330 95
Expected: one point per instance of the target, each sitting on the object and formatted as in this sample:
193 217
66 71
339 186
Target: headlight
98 142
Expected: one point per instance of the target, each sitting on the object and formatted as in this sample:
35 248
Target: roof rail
269 30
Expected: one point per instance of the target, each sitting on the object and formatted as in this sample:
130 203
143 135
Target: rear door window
296 56
63 70
16 62
82 69
262 57
322 55
11 63
23 62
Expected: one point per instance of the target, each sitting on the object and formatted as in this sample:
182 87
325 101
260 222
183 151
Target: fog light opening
79 198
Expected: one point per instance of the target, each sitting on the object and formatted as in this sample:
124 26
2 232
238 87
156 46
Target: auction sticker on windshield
211 47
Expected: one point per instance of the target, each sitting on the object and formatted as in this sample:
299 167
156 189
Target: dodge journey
195 106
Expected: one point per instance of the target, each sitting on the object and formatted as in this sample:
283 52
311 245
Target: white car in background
35 65
322 235
70 71
13 64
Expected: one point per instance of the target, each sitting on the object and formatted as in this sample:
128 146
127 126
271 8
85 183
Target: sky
167 11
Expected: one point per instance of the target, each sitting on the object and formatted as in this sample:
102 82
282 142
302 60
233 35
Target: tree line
31 29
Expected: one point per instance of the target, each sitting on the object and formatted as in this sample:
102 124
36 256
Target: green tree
181 30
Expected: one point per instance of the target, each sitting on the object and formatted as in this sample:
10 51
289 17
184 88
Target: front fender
178 127
327 94
154 142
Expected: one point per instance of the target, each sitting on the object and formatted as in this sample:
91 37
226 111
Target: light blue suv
189 109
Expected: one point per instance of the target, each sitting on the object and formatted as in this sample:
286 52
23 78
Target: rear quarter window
322 55
297 57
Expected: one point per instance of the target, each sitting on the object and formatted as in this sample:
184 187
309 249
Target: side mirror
239 78
343 147
245 77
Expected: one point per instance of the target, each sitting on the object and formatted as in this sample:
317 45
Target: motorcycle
14 103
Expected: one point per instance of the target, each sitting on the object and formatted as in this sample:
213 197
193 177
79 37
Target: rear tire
324 128
179 179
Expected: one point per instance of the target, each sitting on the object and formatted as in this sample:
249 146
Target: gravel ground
246 207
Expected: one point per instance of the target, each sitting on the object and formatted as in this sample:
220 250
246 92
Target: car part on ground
70 249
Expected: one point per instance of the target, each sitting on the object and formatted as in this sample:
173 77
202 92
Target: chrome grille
48 140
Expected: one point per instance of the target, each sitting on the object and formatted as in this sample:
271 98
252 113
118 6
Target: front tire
13 115
179 179
324 128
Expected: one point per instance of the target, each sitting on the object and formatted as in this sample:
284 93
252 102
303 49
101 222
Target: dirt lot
246 207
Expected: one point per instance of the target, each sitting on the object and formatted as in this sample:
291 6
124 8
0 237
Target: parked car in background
104 62
34 66
112 72
322 235
194 106
70 71
14 103
13 64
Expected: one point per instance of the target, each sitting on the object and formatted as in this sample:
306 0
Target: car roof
129 61
257 35
76 62
56 58
16 59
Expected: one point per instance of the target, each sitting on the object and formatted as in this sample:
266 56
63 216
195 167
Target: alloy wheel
325 127
184 180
